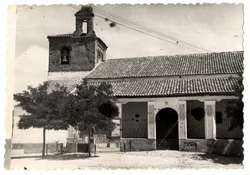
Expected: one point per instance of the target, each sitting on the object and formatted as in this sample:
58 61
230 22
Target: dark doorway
167 129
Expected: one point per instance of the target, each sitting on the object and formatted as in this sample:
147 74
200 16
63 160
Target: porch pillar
151 121
182 120
210 126
117 132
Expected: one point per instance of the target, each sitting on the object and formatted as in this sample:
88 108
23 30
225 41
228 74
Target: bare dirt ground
134 160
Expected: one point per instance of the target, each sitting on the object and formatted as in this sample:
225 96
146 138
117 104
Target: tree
91 106
234 107
44 109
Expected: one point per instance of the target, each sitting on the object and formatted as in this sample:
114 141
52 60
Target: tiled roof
178 65
167 87
61 36
173 87
70 84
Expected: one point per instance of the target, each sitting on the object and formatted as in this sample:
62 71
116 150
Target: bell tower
76 54
84 16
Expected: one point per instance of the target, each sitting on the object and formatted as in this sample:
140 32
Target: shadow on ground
25 157
225 160
67 157
57 157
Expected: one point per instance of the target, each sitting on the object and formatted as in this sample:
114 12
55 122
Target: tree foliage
44 109
91 106
234 107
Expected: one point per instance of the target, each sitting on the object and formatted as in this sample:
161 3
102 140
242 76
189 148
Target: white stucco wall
35 135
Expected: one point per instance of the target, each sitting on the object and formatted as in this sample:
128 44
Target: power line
131 23
139 28
135 24
158 37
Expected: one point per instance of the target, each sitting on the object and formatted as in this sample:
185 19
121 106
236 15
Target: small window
218 117
65 55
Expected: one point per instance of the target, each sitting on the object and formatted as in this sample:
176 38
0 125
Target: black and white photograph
126 86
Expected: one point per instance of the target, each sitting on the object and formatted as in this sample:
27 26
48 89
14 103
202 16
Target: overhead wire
139 28
131 23
158 37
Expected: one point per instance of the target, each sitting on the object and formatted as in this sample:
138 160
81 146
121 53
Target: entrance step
107 147
167 144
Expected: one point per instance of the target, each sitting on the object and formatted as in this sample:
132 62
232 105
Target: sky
213 27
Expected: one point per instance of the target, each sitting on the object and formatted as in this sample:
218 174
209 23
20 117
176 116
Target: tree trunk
44 133
89 145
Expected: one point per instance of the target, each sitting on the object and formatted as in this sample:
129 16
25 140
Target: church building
165 102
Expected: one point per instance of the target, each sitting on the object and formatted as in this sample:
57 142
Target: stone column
151 121
71 132
210 126
71 142
182 120
117 132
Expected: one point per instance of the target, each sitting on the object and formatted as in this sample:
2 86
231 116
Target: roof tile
173 87
70 84
178 65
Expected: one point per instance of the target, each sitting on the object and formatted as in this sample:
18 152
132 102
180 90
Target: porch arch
167 129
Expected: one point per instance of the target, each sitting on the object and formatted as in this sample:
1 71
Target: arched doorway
167 129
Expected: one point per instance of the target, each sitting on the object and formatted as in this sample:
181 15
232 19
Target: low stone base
71 147
222 147
32 148
95 148
7 155
137 144
17 151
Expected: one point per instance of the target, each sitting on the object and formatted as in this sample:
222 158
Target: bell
65 59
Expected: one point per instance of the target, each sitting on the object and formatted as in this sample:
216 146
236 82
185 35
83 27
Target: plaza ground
135 160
